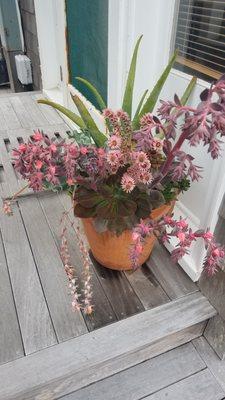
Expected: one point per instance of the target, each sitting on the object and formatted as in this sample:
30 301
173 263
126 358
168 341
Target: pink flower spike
181 236
216 252
139 248
7 208
22 147
207 235
135 236
38 164
70 181
53 148
83 150
37 136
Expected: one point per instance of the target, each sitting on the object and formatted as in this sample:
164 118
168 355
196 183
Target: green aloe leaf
188 91
70 114
94 91
98 137
136 118
154 95
128 95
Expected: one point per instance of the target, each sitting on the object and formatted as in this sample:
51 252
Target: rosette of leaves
112 208
172 188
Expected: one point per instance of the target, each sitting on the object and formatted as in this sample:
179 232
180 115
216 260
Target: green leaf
153 97
188 91
81 138
128 95
70 114
136 119
98 137
94 91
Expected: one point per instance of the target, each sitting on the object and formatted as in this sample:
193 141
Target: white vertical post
46 26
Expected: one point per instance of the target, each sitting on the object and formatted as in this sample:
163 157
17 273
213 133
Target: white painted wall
48 33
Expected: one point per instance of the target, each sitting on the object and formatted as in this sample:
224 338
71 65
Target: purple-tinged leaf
177 100
216 107
204 95
156 120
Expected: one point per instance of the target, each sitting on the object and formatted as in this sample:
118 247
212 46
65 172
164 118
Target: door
87 35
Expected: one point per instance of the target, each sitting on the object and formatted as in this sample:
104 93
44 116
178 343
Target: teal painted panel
87 31
9 19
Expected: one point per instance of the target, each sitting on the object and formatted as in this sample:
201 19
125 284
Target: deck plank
32 109
76 363
146 378
35 323
67 324
120 293
10 338
52 116
22 113
10 117
103 312
213 362
148 289
170 275
200 386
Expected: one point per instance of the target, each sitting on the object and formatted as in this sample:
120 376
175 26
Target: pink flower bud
135 236
38 164
216 253
139 248
181 236
83 150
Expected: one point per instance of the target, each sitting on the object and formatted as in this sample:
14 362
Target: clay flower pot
112 251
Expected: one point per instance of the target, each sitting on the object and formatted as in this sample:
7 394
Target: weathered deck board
147 287
216 366
11 346
170 276
76 363
67 324
124 300
103 312
10 118
22 113
8 176
33 110
146 378
35 323
49 113
200 386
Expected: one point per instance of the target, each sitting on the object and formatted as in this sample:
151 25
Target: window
200 38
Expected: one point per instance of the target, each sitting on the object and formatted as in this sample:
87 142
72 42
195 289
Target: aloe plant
154 95
94 91
188 91
98 137
128 95
68 113
85 121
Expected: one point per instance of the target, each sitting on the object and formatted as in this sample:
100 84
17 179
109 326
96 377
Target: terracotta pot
112 251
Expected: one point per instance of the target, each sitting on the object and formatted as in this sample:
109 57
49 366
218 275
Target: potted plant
124 181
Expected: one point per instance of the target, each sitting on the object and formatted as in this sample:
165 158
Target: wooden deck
36 316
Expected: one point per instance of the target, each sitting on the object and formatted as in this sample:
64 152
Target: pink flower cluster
165 229
44 161
121 151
